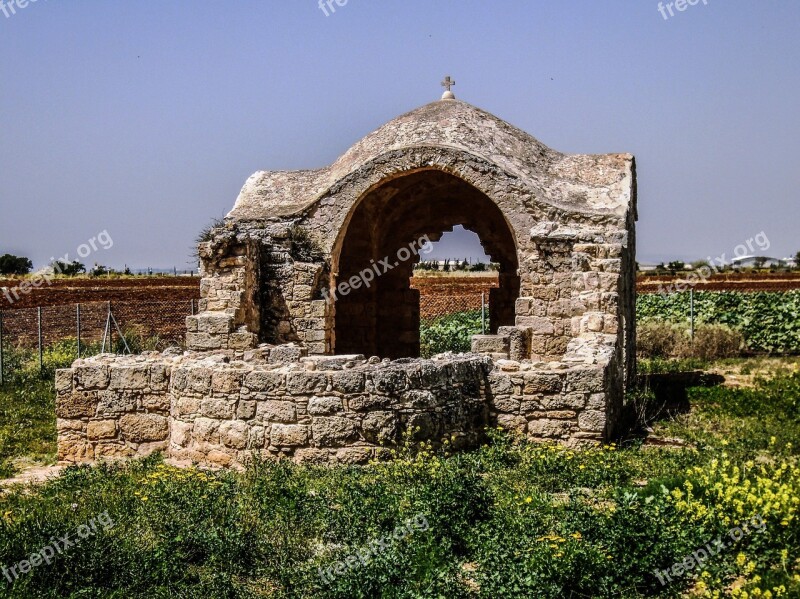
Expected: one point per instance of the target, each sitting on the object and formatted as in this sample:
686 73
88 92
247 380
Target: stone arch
380 316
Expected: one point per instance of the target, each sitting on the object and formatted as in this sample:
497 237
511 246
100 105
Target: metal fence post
483 312
1 348
78 327
41 351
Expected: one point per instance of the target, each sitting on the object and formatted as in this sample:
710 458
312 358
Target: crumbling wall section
217 409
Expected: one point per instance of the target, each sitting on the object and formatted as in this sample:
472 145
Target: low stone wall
214 409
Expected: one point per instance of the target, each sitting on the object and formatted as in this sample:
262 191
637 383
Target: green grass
510 519
27 426
452 332
27 406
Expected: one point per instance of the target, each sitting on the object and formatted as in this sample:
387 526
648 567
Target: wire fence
93 326
447 323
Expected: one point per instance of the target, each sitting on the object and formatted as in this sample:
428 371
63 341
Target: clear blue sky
145 118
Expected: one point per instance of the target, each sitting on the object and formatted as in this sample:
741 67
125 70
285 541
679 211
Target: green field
510 519
769 322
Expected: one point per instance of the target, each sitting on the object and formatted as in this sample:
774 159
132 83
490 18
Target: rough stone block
359 403
199 380
563 401
276 411
389 380
204 341
537 324
113 451
419 399
333 431
63 425
221 458
257 438
536 382
348 382
64 381
597 401
288 435
101 429
546 428
306 383
423 427
509 405
129 377
226 381
246 409
324 406
311 455
186 406
264 381
510 422
286 354
181 433
592 421
78 404
500 384
74 448
585 380
92 377
215 323
156 402
143 427
490 344
221 409
233 434
380 427
242 340
206 430
159 377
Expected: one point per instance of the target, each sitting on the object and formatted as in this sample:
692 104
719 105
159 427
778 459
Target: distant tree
14 265
759 261
478 267
698 264
69 269
99 270
797 261
676 266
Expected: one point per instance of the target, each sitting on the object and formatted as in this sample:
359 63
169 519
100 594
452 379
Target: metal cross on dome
448 83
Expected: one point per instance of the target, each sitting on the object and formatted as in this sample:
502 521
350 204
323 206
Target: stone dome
583 183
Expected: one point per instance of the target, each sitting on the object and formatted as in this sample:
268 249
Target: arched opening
376 311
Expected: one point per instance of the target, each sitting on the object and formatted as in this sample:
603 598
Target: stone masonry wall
216 410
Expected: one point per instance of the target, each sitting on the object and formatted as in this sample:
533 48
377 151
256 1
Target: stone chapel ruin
295 354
